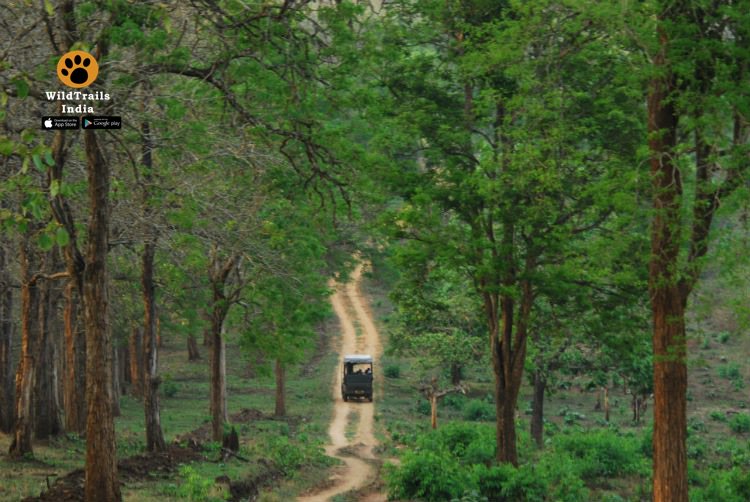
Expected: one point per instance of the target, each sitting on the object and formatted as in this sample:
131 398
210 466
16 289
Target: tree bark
116 389
135 346
151 326
507 363
218 383
192 346
667 298
537 409
45 413
6 346
433 411
280 409
101 480
154 435
606 404
74 385
21 443
218 274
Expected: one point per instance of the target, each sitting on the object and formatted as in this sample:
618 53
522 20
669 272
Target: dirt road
357 454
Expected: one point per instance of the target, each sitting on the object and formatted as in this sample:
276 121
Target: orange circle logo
77 69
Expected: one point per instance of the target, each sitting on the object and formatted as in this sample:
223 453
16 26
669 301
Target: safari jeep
357 381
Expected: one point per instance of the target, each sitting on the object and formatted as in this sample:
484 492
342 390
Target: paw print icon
77 69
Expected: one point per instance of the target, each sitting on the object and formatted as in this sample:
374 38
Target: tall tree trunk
667 298
74 385
44 417
135 346
192 346
101 460
6 346
21 443
116 389
218 275
508 350
151 326
218 381
154 436
537 409
280 409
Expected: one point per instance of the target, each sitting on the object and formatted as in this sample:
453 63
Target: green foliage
600 453
731 372
718 416
289 456
464 453
195 488
725 486
740 423
423 407
392 371
427 475
479 411
455 401
169 387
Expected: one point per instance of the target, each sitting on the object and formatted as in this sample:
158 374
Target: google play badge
102 122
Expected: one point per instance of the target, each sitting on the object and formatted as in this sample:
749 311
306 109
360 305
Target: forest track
360 462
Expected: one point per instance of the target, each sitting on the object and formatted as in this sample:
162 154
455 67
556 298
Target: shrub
427 475
600 454
290 457
169 387
718 416
455 401
392 371
479 411
731 372
724 486
740 423
423 407
195 487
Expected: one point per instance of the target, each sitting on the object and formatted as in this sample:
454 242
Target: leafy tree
507 153
698 66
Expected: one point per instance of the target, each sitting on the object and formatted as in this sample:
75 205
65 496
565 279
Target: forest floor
350 443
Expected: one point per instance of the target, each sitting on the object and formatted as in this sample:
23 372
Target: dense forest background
550 199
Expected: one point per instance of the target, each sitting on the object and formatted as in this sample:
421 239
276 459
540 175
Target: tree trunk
218 384
101 481
135 346
606 404
74 385
280 409
433 411
537 409
45 415
21 443
116 389
159 343
667 298
507 363
455 374
125 364
6 346
192 345
154 436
